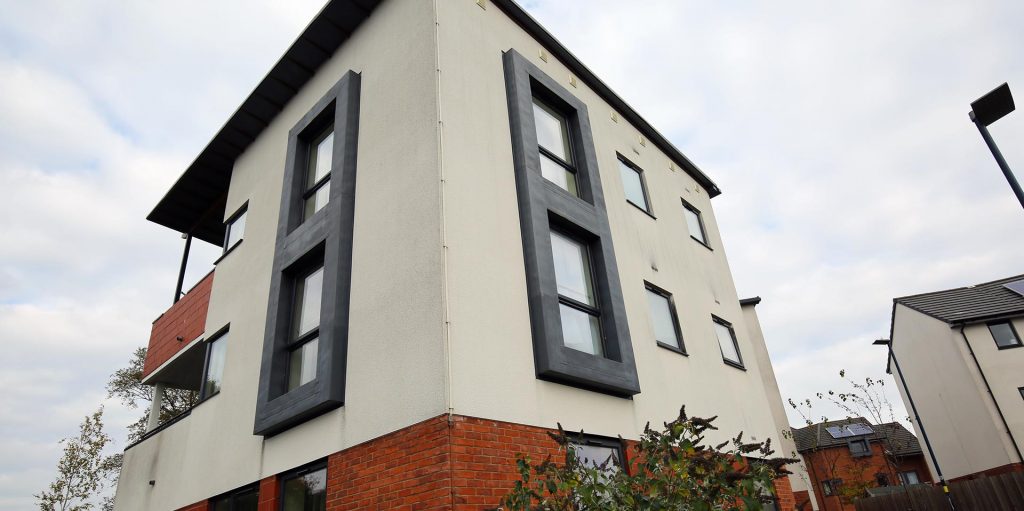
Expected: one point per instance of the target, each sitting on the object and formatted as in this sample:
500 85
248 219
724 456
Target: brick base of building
446 463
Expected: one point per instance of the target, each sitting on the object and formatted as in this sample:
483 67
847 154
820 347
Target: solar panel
860 429
1016 286
849 430
838 432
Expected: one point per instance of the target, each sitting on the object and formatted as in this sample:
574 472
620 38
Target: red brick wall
837 463
185 319
802 497
202 506
460 464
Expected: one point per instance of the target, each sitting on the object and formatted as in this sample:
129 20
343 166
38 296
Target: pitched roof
899 439
195 203
968 304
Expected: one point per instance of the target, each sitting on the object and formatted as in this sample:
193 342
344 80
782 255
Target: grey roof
195 203
814 437
969 304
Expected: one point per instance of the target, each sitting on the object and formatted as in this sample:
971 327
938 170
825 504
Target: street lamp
986 110
913 409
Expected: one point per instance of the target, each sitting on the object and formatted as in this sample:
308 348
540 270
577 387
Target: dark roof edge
538 32
750 301
994 281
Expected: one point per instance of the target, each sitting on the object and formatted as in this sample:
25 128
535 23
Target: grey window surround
738 364
543 206
649 209
1011 330
700 221
681 349
325 236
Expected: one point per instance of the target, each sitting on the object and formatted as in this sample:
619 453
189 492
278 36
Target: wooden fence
1004 492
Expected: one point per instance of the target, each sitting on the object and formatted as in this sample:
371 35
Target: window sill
641 208
673 349
1010 347
704 244
734 364
228 251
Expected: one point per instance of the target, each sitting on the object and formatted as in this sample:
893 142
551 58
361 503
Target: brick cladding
185 319
456 464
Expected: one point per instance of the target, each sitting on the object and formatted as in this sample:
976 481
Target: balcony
168 359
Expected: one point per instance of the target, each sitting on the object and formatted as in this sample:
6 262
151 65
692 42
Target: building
957 352
442 235
852 456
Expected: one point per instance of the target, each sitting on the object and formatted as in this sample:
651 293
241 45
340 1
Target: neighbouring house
957 352
845 459
442 235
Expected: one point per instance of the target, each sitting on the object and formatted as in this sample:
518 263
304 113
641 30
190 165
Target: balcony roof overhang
195 203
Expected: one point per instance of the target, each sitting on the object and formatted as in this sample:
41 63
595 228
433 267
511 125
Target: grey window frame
229 224
675 318
207 347
326 235
735 343
298 472
1013 329
600 441
863 454
829 487
643 186
1021 390
544 206
700 221
233 496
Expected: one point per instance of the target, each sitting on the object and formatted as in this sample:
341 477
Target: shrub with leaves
668 470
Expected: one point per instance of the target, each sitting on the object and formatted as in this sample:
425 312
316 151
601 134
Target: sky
838 132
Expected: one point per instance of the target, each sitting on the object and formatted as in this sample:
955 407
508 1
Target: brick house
442 235
853 455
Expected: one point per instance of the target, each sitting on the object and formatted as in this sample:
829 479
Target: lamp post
986 110
913 409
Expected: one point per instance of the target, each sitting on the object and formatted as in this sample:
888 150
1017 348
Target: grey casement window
305 346
695 224
664 319
235 230
634 184
727 342
598 452
213 369
577 313
245 499
305 489
909 477
859 448
1004 334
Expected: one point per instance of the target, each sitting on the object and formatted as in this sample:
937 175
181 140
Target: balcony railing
179 326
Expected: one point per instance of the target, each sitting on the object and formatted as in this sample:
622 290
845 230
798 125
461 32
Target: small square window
860 447
318 173
831 486
578 308
910 477
597 452
634 185
664 318
213 373
556 159
727 342
1004 334
235 229
695 223
305 491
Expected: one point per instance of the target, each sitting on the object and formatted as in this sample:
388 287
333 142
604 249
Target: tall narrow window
695 223
1004 334
581 324
318 173
235 229
727 342
213 373
663 318
305 491
305 330
634 185
556 158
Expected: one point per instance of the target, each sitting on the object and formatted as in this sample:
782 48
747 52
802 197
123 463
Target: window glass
910 477
302 364
572 269
1004 335
236 229
317 200
247 500
694 225
859 447
214 366
597 455
634 186
321 153
308 293
552 131
580 330
725 341
306 493
558 174
661 317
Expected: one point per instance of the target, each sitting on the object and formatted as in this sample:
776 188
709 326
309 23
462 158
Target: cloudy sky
837 130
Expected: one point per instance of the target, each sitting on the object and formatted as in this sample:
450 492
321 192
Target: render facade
443 236
957 352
